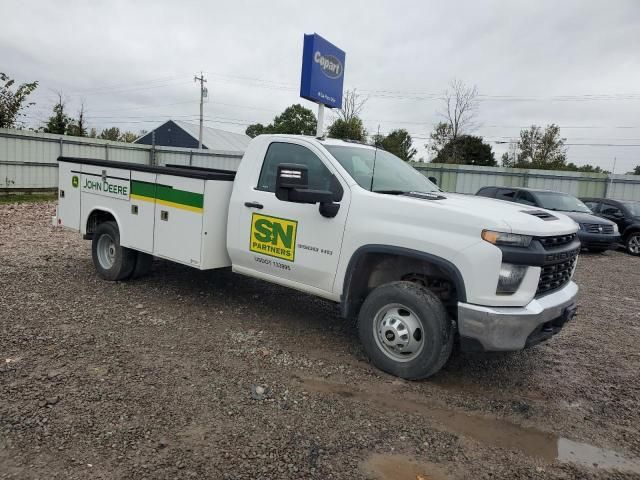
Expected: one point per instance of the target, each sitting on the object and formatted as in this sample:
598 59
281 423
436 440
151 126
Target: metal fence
470 178
28 160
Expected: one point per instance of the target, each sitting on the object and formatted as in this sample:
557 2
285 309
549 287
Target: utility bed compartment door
178 219
69 195
139 220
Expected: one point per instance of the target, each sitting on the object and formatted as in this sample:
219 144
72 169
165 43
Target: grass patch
27 197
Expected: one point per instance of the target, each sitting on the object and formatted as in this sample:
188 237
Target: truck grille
598 228
557 240
556 275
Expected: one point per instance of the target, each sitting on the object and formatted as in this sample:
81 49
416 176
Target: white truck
420 269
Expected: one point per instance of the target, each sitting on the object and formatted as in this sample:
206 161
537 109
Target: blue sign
322 71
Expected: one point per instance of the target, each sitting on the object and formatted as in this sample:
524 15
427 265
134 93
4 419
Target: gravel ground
188 374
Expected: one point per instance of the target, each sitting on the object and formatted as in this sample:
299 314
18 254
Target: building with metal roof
176 133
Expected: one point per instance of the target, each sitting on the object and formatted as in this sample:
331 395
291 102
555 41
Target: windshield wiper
390 192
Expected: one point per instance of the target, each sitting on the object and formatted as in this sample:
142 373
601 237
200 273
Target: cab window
592 205
506 194
611 210
320 178
526 198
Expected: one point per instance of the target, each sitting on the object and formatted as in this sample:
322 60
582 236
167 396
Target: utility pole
203 94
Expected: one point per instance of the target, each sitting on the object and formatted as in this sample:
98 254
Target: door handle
253 205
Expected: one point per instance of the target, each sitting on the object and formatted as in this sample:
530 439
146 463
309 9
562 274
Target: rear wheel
112 261
405 330
633 243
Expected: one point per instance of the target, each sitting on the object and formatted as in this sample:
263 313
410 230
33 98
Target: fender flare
99 209
347 303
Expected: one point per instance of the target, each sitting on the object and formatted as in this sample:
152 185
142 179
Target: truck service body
418 267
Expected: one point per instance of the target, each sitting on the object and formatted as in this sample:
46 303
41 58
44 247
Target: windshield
633 207
561 201
391 174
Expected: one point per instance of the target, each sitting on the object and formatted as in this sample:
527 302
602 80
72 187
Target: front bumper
598 240
514 328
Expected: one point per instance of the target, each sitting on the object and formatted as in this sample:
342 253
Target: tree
295 120
255 129
584 168
59 122
540 149
128 137
461 105
460 108
13 103
352 105
347 123
398 142
78 127
467 150
93 133
112 133
348 130
440 137
635 171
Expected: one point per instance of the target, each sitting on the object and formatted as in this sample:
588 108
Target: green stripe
143 189
167 193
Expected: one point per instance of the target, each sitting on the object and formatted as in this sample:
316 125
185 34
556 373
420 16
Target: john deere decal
273 236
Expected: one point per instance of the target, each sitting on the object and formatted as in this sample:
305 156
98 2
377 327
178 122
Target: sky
573 63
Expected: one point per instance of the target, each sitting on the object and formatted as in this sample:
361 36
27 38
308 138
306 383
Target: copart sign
322 71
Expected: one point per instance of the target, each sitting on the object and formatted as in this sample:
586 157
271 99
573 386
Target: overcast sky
575 63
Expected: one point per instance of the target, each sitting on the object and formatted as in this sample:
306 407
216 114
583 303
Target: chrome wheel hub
398 332
106 251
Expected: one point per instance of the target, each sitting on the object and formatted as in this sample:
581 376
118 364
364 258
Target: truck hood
501 215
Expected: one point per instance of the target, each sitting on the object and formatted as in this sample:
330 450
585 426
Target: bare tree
461 107
352 105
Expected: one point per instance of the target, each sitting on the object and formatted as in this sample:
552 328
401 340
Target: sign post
322 75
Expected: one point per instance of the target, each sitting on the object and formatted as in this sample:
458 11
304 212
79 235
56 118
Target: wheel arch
97 216
367 257
633 228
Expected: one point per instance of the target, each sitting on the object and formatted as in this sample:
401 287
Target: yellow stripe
168 204
180 206
144 199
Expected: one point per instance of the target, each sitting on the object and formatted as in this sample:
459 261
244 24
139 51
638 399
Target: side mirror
292 185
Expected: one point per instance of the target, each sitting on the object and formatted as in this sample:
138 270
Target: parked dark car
625 213
596 234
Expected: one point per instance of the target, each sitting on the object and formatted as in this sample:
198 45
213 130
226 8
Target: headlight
510 278
615 228
507 239
581 225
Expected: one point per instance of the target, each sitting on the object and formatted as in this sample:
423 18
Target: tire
632 243
143 265
112 262
402 307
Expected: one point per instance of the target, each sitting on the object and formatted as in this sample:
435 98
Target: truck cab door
287 241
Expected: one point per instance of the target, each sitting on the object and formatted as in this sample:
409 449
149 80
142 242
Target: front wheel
633 243
112 261
405 330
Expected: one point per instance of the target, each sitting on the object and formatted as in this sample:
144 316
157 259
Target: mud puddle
400 467
489 431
